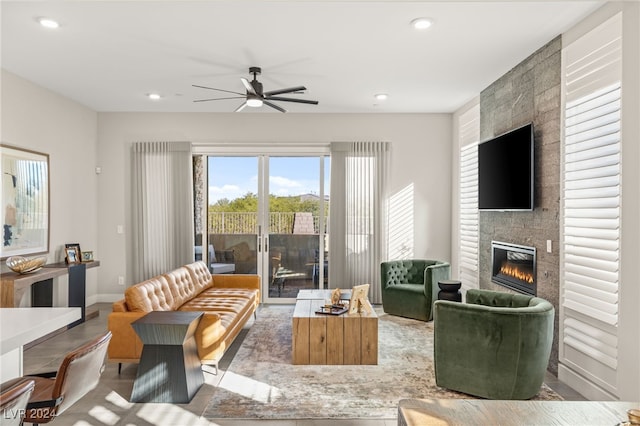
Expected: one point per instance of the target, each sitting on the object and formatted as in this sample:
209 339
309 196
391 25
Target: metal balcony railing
247 223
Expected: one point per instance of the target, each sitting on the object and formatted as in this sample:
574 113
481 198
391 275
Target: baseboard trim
588 389
90 313
109 297
43 338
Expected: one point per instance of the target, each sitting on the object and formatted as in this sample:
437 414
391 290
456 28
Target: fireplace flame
514 272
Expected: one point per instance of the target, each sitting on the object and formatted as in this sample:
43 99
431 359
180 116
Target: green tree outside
283 211
249 203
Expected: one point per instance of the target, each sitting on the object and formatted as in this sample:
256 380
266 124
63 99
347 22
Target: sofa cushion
212 332
150 295
243 293
243 281
412 289
182 285
119 306
200 275
498 299
217 304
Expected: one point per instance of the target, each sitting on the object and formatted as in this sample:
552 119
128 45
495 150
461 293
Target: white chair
14 395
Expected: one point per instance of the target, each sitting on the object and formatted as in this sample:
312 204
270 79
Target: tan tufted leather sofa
226 300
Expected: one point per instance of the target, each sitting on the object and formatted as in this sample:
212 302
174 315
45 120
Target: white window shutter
469 131
591 196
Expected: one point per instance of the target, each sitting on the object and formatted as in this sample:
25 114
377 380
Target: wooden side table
170 368
450 290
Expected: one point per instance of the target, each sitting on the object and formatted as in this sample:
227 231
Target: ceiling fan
255 97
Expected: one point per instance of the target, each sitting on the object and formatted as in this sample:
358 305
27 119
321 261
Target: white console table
19 326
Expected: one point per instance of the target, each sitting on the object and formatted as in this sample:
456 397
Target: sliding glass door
297 218
267 214
232 216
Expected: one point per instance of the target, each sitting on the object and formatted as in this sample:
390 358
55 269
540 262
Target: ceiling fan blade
248 86
219 90
289 90
241 107
274 106
301 101
219 99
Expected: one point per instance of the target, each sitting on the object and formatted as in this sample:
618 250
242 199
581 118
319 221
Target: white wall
87 208
421 156
40 120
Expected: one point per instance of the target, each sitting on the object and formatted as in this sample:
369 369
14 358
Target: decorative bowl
449 285
23 265
634 416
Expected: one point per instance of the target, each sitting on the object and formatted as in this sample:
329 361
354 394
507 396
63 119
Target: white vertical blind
162 197
358 212
469 135
591 203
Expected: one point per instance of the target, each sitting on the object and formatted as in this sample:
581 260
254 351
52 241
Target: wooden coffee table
349 339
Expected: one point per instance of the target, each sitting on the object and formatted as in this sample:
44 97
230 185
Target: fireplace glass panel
514 266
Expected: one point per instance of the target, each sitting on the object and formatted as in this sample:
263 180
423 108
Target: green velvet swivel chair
495 346
409 287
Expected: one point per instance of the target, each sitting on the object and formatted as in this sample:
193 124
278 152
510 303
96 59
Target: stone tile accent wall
530 92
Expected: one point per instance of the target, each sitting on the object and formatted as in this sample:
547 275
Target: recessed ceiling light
422 23
381 96
154 96
48 23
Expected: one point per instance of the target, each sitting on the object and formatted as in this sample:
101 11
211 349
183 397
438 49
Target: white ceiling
108 55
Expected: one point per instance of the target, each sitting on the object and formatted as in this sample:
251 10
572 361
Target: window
591 196
469 135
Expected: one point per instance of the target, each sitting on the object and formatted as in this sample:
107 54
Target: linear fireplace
514 266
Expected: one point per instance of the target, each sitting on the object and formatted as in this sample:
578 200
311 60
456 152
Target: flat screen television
506 171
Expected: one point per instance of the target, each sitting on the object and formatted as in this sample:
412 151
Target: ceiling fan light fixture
381 96
422 23
154 96
255 97
254 102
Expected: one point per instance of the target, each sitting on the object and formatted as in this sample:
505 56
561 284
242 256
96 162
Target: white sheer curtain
358 214
162 201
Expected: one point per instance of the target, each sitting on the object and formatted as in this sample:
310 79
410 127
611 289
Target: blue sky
233 177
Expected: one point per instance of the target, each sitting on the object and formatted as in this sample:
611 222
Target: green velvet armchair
410 286
495 346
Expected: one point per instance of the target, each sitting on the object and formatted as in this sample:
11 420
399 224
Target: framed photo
72 255
73 245
359 301
25 201
87 256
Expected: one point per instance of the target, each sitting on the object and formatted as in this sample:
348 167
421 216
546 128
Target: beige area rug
261 382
